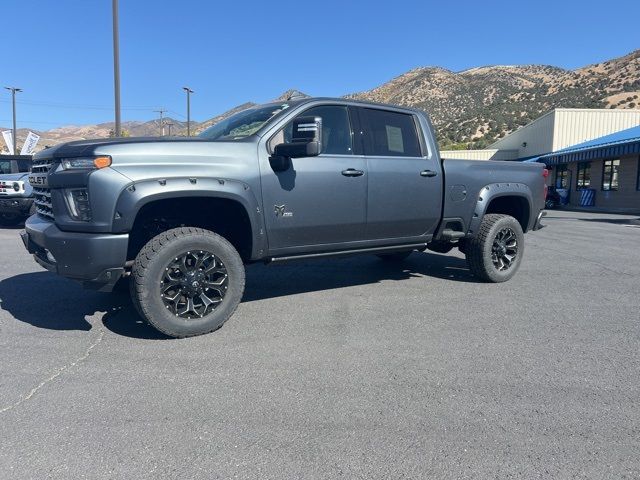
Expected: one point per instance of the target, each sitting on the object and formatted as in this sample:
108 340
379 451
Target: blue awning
625 142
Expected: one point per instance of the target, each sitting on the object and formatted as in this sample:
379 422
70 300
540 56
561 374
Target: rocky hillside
470 109
473 108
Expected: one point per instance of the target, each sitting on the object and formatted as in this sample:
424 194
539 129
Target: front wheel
494 255
187 281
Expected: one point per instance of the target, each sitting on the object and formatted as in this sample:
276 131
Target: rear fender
496 190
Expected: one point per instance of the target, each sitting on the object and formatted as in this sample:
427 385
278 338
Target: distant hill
477 106
470 109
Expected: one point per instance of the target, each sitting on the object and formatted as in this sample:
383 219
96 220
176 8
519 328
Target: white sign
30 144
8 139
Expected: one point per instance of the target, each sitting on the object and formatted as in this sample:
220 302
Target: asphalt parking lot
339 368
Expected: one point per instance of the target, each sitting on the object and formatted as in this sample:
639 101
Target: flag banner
30 144
8 139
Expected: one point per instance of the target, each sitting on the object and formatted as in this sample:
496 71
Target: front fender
137 195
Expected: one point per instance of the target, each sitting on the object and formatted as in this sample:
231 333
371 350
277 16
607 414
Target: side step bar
344 253
451 235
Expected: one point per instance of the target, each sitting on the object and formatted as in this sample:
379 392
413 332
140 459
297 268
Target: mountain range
470 109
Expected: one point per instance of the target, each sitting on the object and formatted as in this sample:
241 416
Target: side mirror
279 163
306 141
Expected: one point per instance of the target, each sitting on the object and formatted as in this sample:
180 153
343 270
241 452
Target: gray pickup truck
306 178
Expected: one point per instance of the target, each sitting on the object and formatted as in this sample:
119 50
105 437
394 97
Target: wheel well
223 216
517 207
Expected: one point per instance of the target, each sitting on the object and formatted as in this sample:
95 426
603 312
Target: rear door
319 202
405 183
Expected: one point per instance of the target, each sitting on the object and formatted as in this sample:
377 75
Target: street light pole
13 91
116 68
189 92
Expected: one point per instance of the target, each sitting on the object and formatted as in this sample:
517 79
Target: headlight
77 200
85 163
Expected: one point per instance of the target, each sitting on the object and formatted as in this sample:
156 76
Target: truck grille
42 195
42 165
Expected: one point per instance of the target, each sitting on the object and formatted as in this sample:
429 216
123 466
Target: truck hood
89 147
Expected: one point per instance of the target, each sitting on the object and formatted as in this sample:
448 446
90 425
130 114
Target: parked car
16 199
305 178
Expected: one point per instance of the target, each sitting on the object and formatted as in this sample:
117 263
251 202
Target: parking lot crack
57 373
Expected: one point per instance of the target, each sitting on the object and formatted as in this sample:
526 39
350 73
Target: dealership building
593 155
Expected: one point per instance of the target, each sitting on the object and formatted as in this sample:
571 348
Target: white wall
573 125
486 154
538 136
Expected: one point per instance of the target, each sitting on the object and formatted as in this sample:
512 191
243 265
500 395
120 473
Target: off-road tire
480 249
394 257
149 270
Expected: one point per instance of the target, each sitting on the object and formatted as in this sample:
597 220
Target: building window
583 179
610 174
638 175
562 176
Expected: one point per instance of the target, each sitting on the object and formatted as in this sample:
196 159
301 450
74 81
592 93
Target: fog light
50 257
78 203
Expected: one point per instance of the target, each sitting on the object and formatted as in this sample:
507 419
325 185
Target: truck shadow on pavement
317 275
45 300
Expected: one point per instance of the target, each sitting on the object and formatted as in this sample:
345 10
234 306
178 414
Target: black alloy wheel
505 249
194 284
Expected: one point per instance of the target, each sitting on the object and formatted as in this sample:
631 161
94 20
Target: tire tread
151 250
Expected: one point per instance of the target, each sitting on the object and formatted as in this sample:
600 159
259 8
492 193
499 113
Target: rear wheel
494 255
187 281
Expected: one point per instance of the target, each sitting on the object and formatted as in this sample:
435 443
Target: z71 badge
280 211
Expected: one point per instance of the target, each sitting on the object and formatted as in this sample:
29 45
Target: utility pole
161 112
169 125
13 91
116 68
189 92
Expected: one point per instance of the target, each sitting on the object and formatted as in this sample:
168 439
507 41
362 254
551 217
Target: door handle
352 172
428 173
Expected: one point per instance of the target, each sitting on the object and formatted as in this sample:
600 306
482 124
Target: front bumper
15 205
95 259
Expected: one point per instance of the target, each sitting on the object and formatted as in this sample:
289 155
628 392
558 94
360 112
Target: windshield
243 124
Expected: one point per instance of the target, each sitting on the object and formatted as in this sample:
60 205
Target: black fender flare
492 191
138 194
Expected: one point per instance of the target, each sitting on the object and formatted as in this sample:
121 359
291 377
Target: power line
78 106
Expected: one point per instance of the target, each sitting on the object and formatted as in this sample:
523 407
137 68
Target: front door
405 184
319 201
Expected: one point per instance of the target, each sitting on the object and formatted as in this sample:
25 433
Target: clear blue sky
60 52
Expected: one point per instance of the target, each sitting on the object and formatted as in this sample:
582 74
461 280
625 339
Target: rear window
389 134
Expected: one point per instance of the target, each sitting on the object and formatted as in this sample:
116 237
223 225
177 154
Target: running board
344 253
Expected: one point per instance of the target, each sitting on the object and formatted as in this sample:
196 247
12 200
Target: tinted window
336 130
389 134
